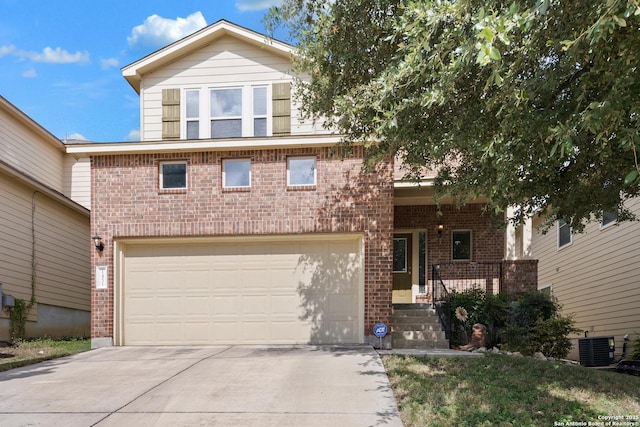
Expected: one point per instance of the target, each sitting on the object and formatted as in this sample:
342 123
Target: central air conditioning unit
596 351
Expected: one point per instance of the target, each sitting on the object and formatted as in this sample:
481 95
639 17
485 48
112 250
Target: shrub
550 336
532 306
532 323
635 349
491 310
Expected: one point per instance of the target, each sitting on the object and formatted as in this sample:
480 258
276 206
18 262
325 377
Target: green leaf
631 177
494 53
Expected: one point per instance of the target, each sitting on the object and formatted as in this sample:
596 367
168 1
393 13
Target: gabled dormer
224 81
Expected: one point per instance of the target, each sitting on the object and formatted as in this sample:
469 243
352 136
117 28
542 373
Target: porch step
416 326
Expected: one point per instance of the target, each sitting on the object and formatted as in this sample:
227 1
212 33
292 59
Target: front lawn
500 390
34 351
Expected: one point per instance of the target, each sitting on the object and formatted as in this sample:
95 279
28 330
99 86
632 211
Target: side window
608 218
173 175
461 245
399 255
236 173
301 171
192 98
564 234
260 111
226 113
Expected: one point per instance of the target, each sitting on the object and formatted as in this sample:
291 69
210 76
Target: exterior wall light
440 228
97 241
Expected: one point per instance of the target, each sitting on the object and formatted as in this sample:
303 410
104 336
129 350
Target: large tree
533 104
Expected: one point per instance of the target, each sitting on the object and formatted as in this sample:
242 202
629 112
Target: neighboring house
594 275
44 228
235 222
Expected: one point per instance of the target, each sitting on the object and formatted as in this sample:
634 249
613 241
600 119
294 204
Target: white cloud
6 49
108 63
158 31
55 56
134 135
247 5
30 73
77 136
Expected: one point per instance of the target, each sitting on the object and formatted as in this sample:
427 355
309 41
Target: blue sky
60 60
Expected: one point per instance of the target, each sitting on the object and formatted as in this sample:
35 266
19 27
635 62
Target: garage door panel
250 292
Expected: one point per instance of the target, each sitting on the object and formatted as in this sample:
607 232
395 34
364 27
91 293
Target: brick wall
519 276
487 241
127 202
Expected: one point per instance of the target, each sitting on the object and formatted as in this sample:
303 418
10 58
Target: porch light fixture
440 228
97 241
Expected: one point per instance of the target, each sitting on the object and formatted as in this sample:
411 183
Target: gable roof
134 71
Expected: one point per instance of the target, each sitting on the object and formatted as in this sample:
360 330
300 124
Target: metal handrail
441 299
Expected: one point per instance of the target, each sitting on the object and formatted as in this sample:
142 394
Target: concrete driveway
202 386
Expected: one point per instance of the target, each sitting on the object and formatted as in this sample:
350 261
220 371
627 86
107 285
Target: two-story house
234 221
44 229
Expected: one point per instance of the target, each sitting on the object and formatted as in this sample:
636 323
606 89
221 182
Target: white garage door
309 290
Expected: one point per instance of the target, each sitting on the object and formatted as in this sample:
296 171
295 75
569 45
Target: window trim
559 226
224 178
315 171
161 186
453 232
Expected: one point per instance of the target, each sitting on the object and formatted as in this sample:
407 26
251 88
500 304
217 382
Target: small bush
532 323
550 337
635 349
493 311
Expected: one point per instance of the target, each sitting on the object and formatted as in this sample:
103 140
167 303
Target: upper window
461 245
173 175
192 113
301 171
260 111
609 218
227 112
236 173
564 234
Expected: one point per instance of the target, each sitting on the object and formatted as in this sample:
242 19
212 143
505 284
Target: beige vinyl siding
77 180
224 62
62 249
596 277
30 153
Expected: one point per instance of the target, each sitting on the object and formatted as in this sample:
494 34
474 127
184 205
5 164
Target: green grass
34 351
500 390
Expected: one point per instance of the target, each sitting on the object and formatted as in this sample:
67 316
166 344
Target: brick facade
127 202
487 240
519 276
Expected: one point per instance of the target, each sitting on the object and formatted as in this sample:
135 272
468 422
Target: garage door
307 290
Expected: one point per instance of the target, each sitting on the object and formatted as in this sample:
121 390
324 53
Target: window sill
172 191
301 187
236 189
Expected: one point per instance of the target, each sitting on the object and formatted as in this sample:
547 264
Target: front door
402 244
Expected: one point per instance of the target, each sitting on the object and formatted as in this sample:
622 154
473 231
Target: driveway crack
160 384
